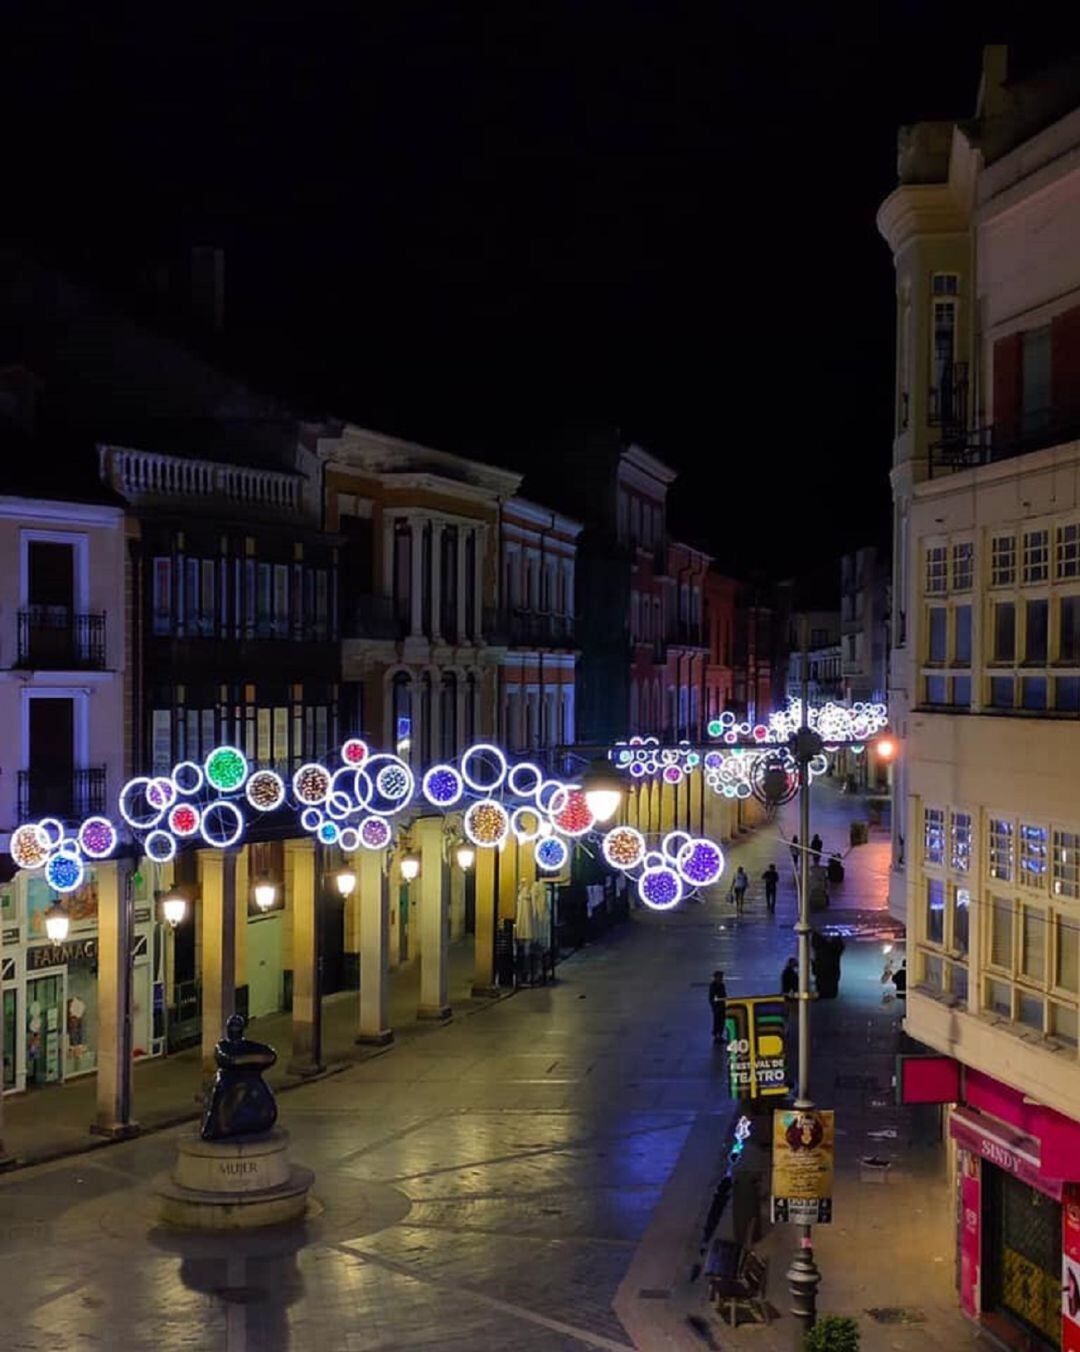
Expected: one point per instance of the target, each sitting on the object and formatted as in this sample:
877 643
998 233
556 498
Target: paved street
514 1179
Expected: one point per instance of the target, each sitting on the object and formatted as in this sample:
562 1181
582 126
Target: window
1001 849
935 570
161 741
262 744
938 636
1068 550
1001 932
946 284
1036 619
962 636
1036 556
1003 561
937 690
1065 864
960 832
1004 649
1033 843
960 916
963 566
1033 944
1066 953
1069 630
934 835
1035 379
943 354
1002 692
935 910
161 589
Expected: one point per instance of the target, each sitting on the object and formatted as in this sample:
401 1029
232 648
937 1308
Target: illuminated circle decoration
546 793
655 859
349 840
222 824
328 833
375 833
524 779
135 805
184 820
385 784
442 786
673 842
339 805
672 774
54 830
660 888
701 862
161 793
29 846
160 846
571 814
97 837
226 769
64 872
526 824
354 752
311 784
483 767
486 823
311 819
392 782
187 777
715 727
551 854
69 845
265 790
624 847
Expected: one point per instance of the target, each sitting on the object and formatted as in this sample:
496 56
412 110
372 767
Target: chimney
207 274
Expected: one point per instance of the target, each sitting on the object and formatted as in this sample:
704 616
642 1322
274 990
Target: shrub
832 1333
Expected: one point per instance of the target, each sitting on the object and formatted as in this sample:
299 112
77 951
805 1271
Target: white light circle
391 782
651 879
162 792
611 841
673 843
339 806
132 794
65 872
545 794
524 779
311 784
476 754
524 829
54 830
700 845
349 840
105 832
160 846
551 854
446 789
311 819
187 777
223 815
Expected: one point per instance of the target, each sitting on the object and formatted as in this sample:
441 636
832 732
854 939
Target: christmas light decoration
135 806
311 784
54 830
375 833
187 778
442 786
29 846
660 888
222 824
551 854
160 846
354 751
673 843
700 863
265 790
486 823
328 833
624 847
311 819
525 823
225 769
571 814
391 784
524 779
184 820
349 840
483 767
64 872
97 837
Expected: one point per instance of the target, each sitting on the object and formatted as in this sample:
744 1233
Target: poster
1070 1270
802 1166
755 1031
970 1225
81 905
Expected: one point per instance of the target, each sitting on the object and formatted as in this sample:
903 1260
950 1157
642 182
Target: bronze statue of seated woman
240 1102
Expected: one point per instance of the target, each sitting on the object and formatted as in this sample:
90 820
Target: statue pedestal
238 1183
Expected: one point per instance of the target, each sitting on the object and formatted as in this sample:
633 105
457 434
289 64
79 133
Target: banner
755 1030
802 1166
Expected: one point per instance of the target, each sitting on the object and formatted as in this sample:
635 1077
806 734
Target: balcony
51 638
687 635
67 794
540 629
949 402
1037 430
377 617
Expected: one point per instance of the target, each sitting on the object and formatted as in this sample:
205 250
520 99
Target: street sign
802 1166
754 1030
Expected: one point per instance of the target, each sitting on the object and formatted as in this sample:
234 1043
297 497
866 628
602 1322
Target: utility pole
803 1276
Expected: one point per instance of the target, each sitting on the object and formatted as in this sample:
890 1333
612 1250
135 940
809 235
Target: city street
534 1176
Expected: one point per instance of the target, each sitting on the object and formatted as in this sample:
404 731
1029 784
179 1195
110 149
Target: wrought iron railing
53 638
67 794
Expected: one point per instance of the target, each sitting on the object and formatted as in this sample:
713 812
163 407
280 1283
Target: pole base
435 1013
380 1039
305 1069
6 1162
115 1131
803 1282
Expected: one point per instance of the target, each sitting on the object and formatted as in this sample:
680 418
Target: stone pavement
531 1178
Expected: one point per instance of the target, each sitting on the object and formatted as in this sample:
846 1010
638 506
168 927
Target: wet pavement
507 1181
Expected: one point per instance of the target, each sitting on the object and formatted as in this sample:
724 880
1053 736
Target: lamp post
603 788
803 1275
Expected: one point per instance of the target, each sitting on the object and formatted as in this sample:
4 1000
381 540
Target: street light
410 867
173 908
466 857
56 923
603 789
885 749
346 882
265 893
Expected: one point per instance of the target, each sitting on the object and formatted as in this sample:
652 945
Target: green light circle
226 769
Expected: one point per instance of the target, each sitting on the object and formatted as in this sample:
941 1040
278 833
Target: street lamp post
803 1275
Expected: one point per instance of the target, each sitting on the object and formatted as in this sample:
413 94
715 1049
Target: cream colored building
984 227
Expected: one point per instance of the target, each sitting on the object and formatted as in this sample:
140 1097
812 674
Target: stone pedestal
236 1184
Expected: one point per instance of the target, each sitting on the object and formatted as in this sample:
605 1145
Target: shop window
937 690
1067 694
1001 933
1033 851
934 835
935 910
960 831
1003 561
960 919
1066 864
1036 617
1033 692
936 564
961 692
963 566
1036 556
1002 692
1001 849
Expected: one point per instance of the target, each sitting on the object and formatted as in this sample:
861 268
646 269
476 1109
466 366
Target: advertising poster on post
755 1030
802 1166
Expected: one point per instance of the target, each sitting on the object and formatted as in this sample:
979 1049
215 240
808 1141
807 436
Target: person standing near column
718 1005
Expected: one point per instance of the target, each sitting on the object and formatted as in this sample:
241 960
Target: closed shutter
1006 388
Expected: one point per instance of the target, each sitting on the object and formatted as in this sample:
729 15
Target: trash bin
860 833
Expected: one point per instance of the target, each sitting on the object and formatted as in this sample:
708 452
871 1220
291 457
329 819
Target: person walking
816 846
794 847
718 1005
900 980
789 978
771 878
738 888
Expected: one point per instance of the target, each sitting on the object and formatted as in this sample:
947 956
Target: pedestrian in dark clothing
718 1005
900 980
771 879
816 846
827 950
789 978
795 852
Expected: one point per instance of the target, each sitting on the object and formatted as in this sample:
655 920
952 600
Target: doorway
46 1000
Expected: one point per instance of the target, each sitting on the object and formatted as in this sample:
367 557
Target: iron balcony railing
949 401
67 794
378 617
966 448
52 638
540 628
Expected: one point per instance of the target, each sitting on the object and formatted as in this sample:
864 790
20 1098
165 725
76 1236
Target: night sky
475 226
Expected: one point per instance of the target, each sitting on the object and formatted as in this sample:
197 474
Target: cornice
916 209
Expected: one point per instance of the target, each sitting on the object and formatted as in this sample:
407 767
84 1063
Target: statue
240 1102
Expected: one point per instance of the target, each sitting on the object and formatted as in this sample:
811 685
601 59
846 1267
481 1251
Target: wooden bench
738 1279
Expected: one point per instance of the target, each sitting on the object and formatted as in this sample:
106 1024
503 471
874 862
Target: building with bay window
985 668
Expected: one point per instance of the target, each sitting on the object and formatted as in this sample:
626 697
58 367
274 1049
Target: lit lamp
466 857
56 923
410 867
885 749
265 893
173 908
346 882
603 789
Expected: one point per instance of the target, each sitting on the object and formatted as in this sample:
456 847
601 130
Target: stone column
459 637
508 881
114 1115
300 870
434 920
389 522
374 892
416 579
478 585
484 937
217 943
436 581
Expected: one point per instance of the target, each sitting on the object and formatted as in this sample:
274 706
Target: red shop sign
1070 1270
1005 1149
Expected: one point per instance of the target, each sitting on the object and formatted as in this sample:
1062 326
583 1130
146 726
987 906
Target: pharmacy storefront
50 989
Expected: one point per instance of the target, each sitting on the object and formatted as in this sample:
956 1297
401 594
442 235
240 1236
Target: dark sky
472 225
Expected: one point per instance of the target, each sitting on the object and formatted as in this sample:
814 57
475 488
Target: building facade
985 671
823 655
